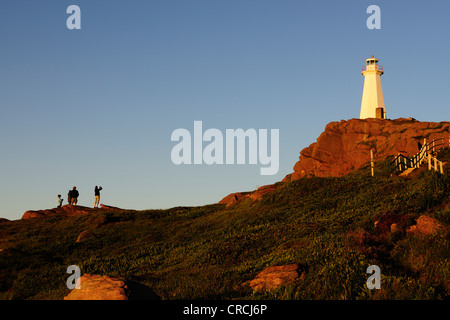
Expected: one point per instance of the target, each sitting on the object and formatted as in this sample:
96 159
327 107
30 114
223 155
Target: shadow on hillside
139 291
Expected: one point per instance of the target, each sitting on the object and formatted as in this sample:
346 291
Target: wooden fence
426 154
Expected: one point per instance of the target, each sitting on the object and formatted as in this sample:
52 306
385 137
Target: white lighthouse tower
372 104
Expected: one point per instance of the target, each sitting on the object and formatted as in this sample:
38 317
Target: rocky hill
345 146
309 237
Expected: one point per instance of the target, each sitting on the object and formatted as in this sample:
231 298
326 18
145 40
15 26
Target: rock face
345 146
274 277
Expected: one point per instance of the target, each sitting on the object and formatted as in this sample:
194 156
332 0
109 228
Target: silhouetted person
97 196
69 197
75 195
59 201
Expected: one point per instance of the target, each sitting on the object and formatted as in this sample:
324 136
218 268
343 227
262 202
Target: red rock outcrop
385 223
101 287
105 206
274 277
96 287
254 196
67 210
345 146
426 226
234 198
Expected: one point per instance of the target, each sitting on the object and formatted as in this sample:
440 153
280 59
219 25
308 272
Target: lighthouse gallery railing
377 67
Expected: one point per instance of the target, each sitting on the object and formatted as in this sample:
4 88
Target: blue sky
97 106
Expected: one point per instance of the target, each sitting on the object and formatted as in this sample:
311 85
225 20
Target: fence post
441 167
421 155
429 162
371 160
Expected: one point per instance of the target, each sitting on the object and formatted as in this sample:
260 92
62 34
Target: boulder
274 277
96 287
425 226
33 214
390 222
234 198
395 228
106 206
253 196
67 210
261 191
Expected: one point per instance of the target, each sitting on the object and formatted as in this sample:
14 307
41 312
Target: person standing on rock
97 196
59 201
69 197
75 195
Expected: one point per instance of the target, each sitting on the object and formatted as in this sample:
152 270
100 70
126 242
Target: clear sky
97 106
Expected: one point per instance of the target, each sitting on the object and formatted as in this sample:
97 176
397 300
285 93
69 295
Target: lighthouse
372 104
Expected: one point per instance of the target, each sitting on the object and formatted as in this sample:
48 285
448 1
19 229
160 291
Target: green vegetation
326 225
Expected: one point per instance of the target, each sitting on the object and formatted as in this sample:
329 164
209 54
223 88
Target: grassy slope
326 225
